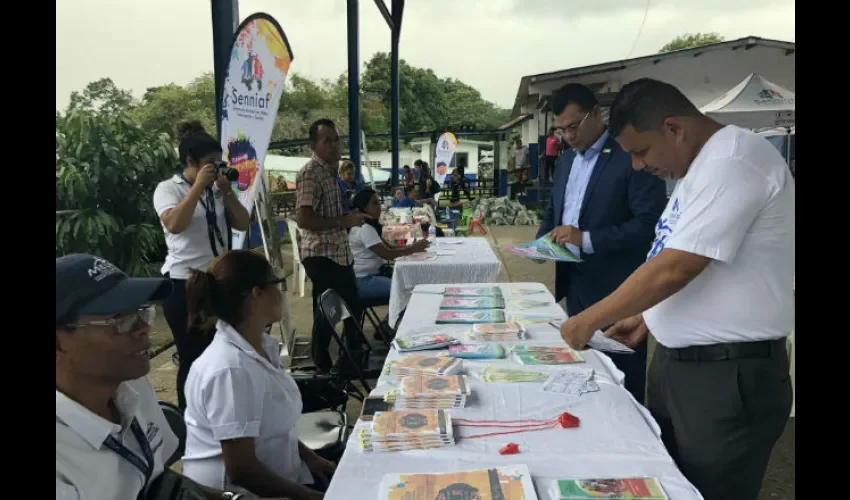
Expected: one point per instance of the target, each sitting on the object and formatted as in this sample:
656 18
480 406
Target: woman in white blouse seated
370 250
241 407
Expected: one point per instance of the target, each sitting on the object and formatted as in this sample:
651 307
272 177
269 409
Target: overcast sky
489 44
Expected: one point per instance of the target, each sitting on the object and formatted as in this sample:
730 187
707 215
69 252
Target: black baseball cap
86 284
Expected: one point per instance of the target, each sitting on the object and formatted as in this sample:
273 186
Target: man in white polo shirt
112 439
716 290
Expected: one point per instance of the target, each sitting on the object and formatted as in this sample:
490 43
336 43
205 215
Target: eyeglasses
280 282
126 323
574 128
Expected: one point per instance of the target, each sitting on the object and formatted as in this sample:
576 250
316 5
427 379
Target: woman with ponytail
197 209
241 405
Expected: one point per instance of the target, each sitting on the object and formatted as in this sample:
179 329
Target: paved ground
779 483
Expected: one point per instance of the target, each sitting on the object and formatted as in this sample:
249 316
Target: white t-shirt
233 392
189 249
88 470
520 157
736 205
366 262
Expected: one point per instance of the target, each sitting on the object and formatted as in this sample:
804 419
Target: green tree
107 168
688 41
162 107
102 96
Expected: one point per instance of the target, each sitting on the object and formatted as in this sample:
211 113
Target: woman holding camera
197 208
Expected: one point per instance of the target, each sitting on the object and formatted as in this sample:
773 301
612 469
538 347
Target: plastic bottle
432 232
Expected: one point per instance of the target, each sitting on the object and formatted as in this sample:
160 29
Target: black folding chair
174 417
375 319
366 363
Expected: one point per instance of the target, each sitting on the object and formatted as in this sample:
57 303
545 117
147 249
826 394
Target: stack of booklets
472 303
497 332
424 342
642 488
511 482
472 291
402 430
492 374
477 351
546 355
419 391
428 365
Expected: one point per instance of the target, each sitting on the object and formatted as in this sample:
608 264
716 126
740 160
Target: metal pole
354 85
225 20
394 90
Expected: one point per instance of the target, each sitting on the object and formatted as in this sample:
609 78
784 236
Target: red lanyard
564 420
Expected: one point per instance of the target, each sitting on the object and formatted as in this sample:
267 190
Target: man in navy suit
602 210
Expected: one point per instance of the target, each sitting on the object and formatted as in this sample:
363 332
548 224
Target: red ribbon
565 420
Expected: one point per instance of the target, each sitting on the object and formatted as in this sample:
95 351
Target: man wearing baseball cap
112 438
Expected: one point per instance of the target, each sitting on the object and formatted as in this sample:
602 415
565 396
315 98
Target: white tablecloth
473 262
616 438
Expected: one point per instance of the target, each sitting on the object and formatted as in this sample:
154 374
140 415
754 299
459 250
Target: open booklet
543 248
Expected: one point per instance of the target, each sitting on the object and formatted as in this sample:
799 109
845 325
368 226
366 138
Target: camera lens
230 173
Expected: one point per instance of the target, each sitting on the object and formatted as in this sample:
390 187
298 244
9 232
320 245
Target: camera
229 172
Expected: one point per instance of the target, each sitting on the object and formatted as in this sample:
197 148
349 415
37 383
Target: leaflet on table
543 248
527 319
573 382
472 303
602 343
471 316
477 351
472 291
527 291
525 304
494 374
498 483
643 488
418 257
548 358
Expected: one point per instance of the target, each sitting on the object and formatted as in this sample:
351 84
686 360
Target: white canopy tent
754 103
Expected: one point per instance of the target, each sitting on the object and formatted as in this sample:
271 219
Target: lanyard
213 231
145 465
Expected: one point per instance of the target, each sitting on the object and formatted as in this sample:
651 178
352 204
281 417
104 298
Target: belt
724 352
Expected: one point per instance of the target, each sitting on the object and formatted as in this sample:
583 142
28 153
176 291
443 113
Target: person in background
399 196
716 290
242 406
407 179
348 185
417 169
520 156
408 201
458 182
553 148
602 210
325 252
112 439
370 250
197 209
428 187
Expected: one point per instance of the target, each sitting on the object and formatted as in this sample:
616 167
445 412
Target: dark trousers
326 274
549 168
632 365
190 344
720 419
